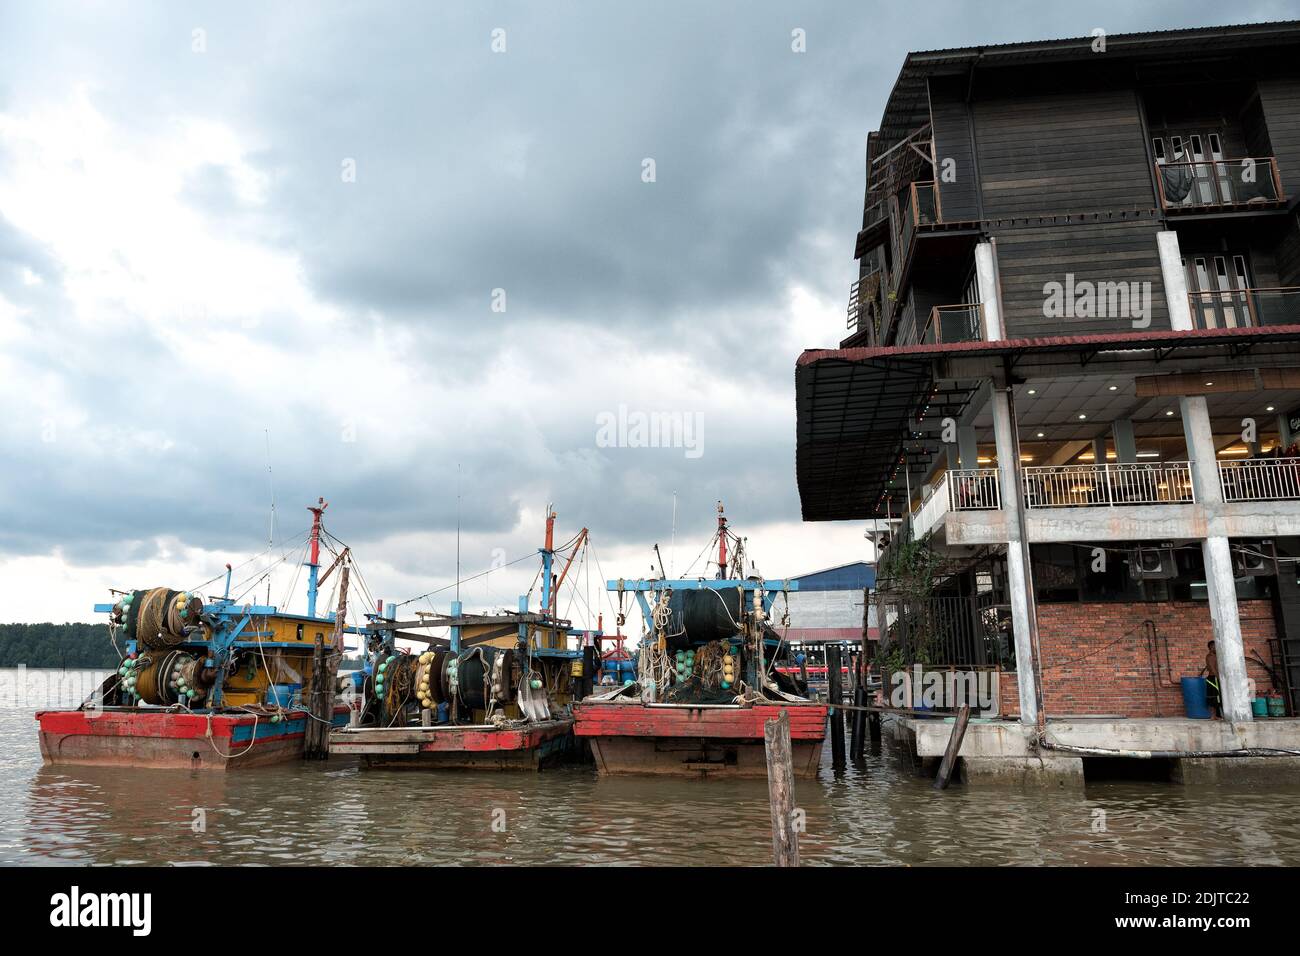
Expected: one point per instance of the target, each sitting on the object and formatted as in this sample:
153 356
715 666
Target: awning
857 409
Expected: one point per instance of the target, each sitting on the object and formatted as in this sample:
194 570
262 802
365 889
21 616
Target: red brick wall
1096 658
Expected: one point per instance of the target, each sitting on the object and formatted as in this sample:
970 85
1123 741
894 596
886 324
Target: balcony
918 206
1084 486
1241 308
1262 479
954 323
962 489
1210 185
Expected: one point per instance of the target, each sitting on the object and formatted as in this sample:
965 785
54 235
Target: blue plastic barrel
1194 698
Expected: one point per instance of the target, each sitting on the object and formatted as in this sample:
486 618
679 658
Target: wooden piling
954 746
859 723
780 789
835 693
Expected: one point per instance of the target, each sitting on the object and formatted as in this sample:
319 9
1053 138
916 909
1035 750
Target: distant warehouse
832 605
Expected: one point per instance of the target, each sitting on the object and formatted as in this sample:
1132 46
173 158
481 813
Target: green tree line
56 645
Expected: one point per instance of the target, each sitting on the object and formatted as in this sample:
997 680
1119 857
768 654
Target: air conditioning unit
1252 559
1153 563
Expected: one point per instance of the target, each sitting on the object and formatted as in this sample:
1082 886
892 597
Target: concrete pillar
1017 573
1099 451
968 447
1125 444
986 279
1284 434
1220 584
1174 278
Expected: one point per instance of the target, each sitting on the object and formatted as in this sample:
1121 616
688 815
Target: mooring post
954 746
859 725
835 691
780 789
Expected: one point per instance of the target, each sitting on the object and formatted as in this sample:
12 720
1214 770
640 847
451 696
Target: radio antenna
457 531
270 539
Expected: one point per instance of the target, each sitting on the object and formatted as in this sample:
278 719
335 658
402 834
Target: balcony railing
962 489
1215 183
1262 479
954 323
1239 308
974 489
919 206
1079 486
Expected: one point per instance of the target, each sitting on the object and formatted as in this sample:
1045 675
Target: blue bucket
282 694
1195 702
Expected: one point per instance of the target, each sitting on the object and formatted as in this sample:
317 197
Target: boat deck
457 746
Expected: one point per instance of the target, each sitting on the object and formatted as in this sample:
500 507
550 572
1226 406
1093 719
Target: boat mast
548 555
722 543
313 564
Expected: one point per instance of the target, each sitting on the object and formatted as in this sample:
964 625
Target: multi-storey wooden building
1073 360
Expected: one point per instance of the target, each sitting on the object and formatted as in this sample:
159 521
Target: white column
1174 278
1017 579
986 278
1220 585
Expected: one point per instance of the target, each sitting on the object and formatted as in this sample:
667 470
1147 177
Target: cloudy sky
401 249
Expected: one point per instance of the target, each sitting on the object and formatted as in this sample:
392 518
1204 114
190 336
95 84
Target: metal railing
919 207
1206 183
1239 308
1260 479
954 323
974 489
1077 486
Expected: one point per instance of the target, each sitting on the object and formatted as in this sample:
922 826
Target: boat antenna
458 531
672 548
270 539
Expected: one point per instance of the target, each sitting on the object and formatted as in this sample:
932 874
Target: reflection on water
335 813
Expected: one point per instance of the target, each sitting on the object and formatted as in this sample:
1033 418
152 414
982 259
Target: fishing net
695 691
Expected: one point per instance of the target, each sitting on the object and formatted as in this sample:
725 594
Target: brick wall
1096 658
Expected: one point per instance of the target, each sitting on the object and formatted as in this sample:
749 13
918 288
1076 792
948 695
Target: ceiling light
1269 409
1148 454
1041 435
1033 391
1082 417
1170 412
1114 387
1208 384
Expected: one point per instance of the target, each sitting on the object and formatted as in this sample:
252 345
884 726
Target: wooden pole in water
780 789
835 692
954 746
324 679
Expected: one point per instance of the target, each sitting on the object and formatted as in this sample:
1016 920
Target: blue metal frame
231 623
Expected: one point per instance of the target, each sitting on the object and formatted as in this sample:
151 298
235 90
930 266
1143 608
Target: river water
335 813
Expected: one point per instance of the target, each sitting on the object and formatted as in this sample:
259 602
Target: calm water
336 813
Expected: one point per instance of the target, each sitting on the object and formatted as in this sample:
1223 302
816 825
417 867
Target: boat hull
531 747
685 741
133 737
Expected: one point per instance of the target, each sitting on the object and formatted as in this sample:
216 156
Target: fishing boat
706 679
495 694
218 684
